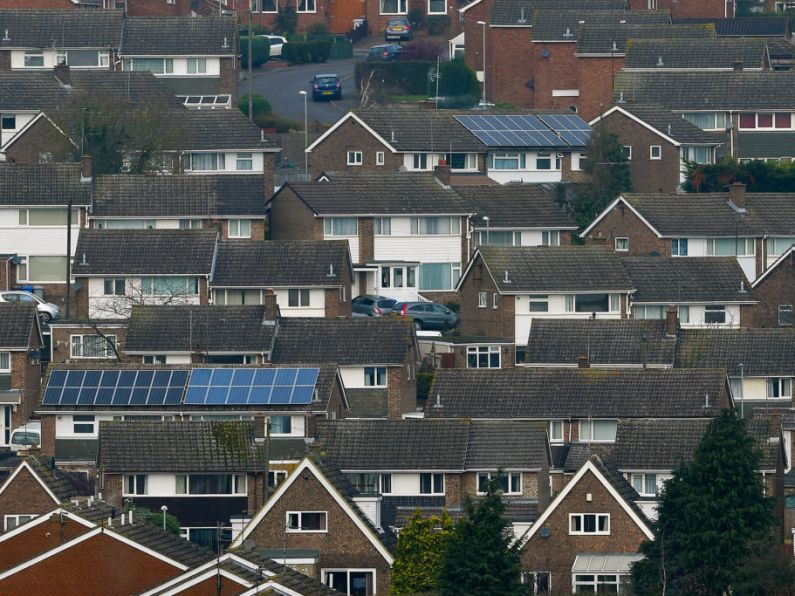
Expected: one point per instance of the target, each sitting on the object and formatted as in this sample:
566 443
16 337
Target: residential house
212 334
709 9
117 269
204 473
696 54
658 144
435 464
317 510
706 291
588 537
757 114
407 232
378 359
773 289
86 339
310 278
20 365
504 289
34 211
755 228
287 400
506 146
233 204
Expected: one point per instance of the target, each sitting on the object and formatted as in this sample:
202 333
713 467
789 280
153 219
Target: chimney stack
737 194
86 168
737 65
442 172
670 321
259 427
583 361
61 74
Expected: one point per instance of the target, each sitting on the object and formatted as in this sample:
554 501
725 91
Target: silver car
47 310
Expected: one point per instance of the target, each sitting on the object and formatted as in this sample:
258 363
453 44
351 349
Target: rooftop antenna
621 97
505 279
660 62
615 47
522 18
226 43
6 37
392 137
568 34
330 270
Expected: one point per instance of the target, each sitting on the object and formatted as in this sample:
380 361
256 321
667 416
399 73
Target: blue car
386 52
326 86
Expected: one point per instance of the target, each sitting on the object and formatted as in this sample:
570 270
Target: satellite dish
545 532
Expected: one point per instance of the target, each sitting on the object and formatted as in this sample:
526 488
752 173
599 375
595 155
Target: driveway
280 86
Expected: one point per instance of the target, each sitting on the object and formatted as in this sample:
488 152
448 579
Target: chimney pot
670 321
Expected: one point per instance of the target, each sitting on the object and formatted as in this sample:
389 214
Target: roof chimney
583 361
670 321
61 74
774 426
442 172
86 168
737 194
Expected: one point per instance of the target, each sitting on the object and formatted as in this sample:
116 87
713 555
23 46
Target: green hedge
408 78
305 52
260 51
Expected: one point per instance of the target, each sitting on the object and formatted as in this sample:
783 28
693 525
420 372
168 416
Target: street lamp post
306 138
483 24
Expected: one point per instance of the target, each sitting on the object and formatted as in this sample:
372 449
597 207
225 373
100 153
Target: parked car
276 43
368 305
326 86
427 315
26 436
398 28
47 310
387 52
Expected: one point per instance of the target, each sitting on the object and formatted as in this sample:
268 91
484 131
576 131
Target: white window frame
488 351
380 158
5 361
434 476
354 158
244 162
133 480
185 478
420 161
435 12
715 308
509 475
382 226
279 476
537 299
402 8
300 295
74 343
622 244
590 423
652 151
114 283
483 299
16 519
196 66
297 530
38 53
582 531
328 228
627 151
744 246
555 431
325 572
495 300
309 6
519 158
780 385
236 228
640 483
550 238
154 359
677 244
376 373
594 584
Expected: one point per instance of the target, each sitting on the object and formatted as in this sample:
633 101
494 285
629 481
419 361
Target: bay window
508 161
340 226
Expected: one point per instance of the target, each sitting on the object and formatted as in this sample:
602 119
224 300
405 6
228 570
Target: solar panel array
251 386
115 388
526 130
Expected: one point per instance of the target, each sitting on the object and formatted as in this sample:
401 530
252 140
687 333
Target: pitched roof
179 446
683 91
62 29
613 39
656 444
415 129
30 91
761 352
17 321
144 252
221 129
515 206
519 13
56 480
348 341
607 342
367 403
555 269
579 393
378 193
179 36
40 185
672 125
205 328
762 429
770 26
418 445
675 280
761 145
562 25
281 263
220 195
662 54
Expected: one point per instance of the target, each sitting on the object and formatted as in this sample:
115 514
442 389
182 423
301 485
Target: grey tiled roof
179 446
17 322
515 206
516 510
367 403
673 125
506 13
693 279
221 129
348 341
602 39
762 352
144 252
280 263
706 91
552 25
607 341
656 444
560 393
744 26
208 328
425 445
179 36
760 428
761 145
33 185
694 53
72 450
222 195
556 269
379 193
62 29
414 129
135 86
30 91
56 480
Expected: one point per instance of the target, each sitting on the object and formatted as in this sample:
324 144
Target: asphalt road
281 86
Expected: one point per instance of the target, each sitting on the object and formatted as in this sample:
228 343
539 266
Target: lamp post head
482 23
486 218
302 92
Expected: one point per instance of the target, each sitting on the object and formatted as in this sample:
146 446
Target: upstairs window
435 226
655 152
340 226
114 286
779 387
483 357
240 228
729 247
622 244
297 298
197 65
550 238
508 483
508 161
785 315
169 286
679 247
375 376
306 6
715 314
355 158
34 59
93 346
244 162
645 484
598 431
207 162
431 484
307 521
135 484
538 303
153 65
5 361
589 523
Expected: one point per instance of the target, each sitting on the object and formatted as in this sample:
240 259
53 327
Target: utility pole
250 67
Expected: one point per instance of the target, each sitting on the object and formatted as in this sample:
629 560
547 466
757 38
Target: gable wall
556 72
485 322
595 78
621 221
777 288
332 154
37 540
291 219
510 64
40 138
556 553
24 496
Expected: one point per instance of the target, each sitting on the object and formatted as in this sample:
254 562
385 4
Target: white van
27 436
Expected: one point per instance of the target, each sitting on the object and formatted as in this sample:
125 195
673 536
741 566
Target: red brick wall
557 71
343 546
61 342
556 553
485 322
621 221
595 82
331 155
56 4
777 288
42 538
158 8
688 9
510 64
24 496
39 138
334 306
291 219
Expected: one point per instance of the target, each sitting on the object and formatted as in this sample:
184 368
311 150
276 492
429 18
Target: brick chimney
737 194
774 426
583 361
259 426
670 321
442 172
86 168
61 73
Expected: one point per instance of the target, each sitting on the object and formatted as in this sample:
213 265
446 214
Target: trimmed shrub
422 49
317 28
424 384
305 52
458 80
437 24
260 51
259 105
406 78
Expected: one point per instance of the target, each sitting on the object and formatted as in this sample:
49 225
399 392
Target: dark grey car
427 315
369 305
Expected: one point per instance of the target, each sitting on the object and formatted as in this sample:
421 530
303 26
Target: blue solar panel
520 130
115 388
570 127
263 386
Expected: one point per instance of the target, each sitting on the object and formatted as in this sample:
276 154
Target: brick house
309 277
378 359
407 232
397 461
504 289
117 269
592 516
689 9
81 340
318 508
20 365
756 228
206 473
774 290
657 143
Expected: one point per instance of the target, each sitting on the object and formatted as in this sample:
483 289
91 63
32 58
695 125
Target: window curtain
435 276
